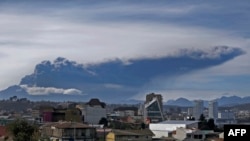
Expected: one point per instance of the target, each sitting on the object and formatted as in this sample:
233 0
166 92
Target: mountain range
223 101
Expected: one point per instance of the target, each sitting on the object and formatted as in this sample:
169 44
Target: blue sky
94 32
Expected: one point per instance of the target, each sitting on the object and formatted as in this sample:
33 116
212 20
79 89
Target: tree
103 121
202 118
211 124
143 125
203 123
21 130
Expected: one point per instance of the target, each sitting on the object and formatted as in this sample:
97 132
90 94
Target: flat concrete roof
178 122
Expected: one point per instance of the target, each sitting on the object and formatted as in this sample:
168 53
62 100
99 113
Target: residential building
113 116
141 109
181 133
153 111
101 133
213 109
73 114
127 119
126 111
46 112
55 115
201 135
190 112
93 111
198 109
221 135
226 115
165 128
133 135
66 131
35 113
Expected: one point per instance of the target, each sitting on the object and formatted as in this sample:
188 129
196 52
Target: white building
126 111
163 129
190 111
93 111
198 109
213 110
226 115
68 131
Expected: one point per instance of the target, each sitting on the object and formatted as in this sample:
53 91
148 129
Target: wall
164 129
181 133
92 115
110 137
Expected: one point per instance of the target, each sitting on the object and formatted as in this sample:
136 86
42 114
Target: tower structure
153 108
198 109
213 109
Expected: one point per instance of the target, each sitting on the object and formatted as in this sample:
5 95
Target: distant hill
182 102
223 101
242 106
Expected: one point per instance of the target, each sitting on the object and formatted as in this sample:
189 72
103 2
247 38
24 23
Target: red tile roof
63 125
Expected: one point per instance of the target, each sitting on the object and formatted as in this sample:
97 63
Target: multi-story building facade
190 111
153 111
132 135
213 109
55 115
93 111
198 109
166 128
151 96
225 117
66 131
126 111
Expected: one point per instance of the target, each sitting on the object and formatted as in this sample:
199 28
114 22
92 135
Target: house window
196 136
83 133
200 136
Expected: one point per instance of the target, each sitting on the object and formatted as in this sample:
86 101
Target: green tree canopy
21 130
202 118
103 121
211 124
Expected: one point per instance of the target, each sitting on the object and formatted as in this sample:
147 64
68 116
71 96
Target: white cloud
113 86
50 90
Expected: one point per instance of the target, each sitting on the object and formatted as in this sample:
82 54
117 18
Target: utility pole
104 137
74 131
